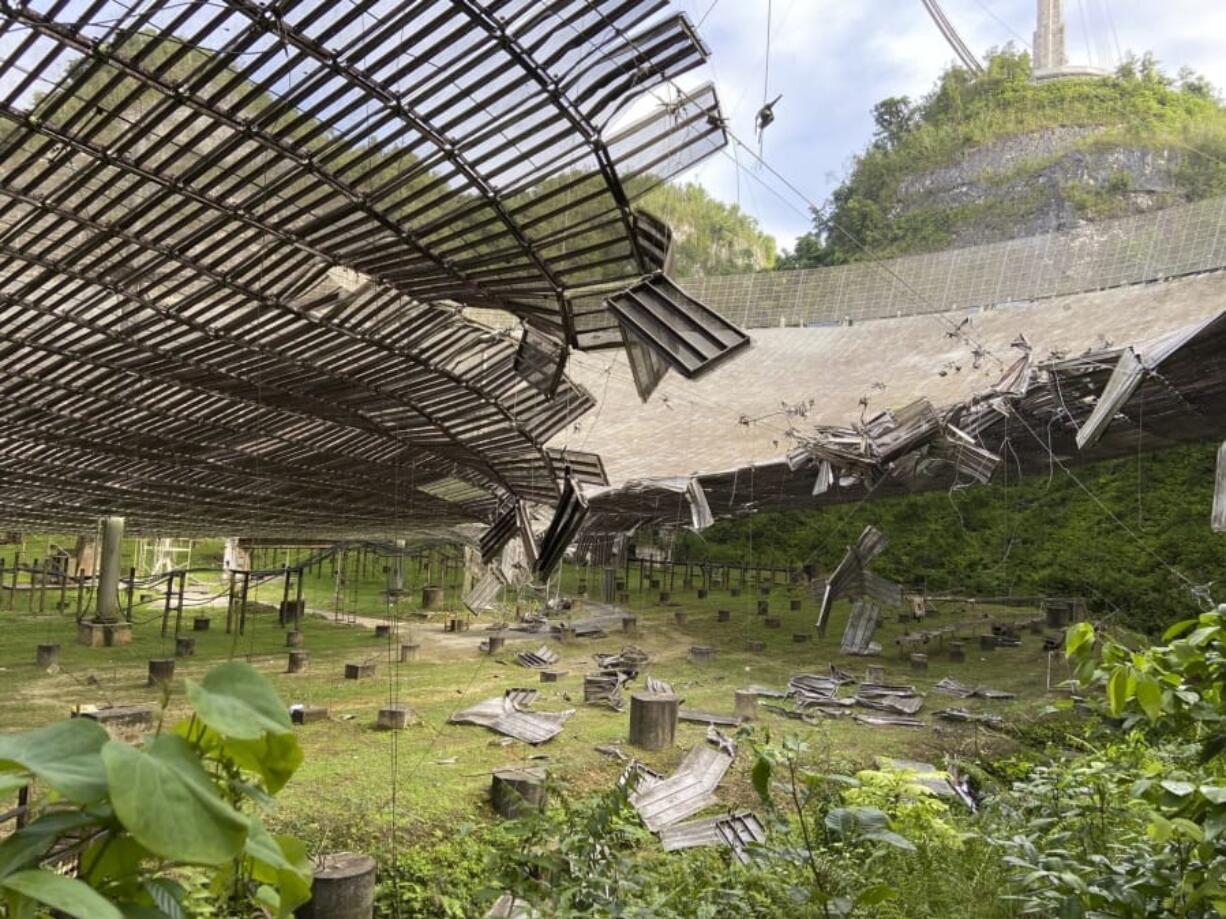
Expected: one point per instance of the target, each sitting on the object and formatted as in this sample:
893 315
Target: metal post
170 595
16 568
242 610
179 601
108 573
131 591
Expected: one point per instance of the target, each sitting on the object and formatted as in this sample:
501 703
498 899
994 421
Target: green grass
442 770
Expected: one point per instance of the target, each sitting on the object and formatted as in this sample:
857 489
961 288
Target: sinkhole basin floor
434 773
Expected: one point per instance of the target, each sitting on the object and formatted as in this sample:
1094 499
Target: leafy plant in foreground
139 817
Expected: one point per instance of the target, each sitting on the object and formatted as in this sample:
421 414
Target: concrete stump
763 607
702 654
623 596
298 661
95 633
794 605
408 653
393 718
383 630
494 644
344 888
874 673
919 663
359 670
582 589
307 714
755 646
957 651
800 637
702 593
185 646
746 706
431 598
619 585
47 656
723 615
654 583
665 596
566 634
1057 617
630 625
734 591
126 715
987 642
161 670
653 720
764 590
293 639
1036 626
552 676
201 624
773 623
680 616
515 792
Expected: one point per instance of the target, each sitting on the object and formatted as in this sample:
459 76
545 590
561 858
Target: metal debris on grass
688 790
538 659
501 714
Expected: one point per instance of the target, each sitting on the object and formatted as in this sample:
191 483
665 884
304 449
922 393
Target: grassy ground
441 771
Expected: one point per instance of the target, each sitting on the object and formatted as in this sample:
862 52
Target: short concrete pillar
654 583
1036 626
308 714
702 654
702 593
919 663
1057 616
764 590
987 642
201 624
746 705
383 630
755 646
723 615
763 607
665 596
653 720
494 644
680 616
771 622
623 596
185 646
408 653
161 670
800 637
552 676
97 634
581 590
431 598
630 625
734 591
293 639
874 673
957 651
566 634
619 585
794 604
515 792
108 570
48 655
359 670
344 888
393 718
298 661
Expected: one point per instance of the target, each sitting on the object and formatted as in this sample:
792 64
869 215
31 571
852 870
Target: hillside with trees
996 156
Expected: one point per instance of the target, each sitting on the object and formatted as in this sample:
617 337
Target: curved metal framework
236 237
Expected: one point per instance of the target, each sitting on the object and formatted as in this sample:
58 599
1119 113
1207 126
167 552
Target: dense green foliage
709 236
1040 535
1139 107
144 819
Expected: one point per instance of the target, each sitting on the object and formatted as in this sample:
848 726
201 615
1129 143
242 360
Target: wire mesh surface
235 239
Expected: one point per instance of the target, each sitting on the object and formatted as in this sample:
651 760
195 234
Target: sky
832 60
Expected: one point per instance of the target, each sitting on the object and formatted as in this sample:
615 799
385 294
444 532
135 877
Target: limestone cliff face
1056 179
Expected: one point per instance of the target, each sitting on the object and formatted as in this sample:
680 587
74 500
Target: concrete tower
1049 47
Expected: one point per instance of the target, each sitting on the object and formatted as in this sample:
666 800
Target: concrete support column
108 571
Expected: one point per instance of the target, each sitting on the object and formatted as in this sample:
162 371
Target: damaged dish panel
502 715
688 790
736 831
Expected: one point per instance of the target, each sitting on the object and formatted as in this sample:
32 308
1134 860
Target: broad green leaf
891 838
1117 690
1214 794
281 862
762 778
1078 636
1178 629
1202 635
238 701
11 783
24 848
114 860
168 896
1149 696
65 894
64 755
1178 789
878 893
273 757
166 800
